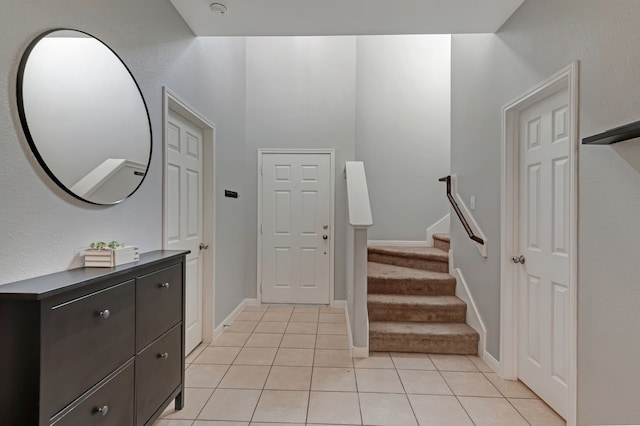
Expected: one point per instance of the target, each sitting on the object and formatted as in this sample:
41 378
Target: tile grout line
313 362
406 394
270 368
484 374
452 392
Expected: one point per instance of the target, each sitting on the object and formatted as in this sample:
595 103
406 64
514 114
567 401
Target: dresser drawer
111 404
158 373
158 303
86 339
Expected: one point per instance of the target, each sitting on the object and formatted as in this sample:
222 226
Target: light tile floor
290 365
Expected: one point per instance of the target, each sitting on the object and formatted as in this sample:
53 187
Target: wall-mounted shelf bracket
619 134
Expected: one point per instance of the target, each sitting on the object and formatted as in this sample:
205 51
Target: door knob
324 237
518 259
204 246
325 226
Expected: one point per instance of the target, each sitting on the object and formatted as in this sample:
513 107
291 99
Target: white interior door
544 278
296 228
184 209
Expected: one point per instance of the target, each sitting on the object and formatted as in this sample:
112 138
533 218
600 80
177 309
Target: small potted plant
107 255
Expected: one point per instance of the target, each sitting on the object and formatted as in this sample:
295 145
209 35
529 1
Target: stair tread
426 329
430 253
416 301
442 237
384 270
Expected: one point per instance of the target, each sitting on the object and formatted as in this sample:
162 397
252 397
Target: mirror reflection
84 116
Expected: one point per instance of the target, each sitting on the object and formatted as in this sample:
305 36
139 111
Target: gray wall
41 227
300 94
490 70
384 100
403 130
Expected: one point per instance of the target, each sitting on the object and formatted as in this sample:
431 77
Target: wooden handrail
465 224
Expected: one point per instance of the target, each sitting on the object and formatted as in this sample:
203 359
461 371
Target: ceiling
345 17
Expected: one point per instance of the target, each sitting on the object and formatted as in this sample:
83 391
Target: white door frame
567 78
174 103
332 186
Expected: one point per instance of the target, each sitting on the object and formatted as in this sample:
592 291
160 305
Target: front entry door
544 283
184 213
296 227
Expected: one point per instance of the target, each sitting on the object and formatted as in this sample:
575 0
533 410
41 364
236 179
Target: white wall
40 225
300 94
403 130
488 71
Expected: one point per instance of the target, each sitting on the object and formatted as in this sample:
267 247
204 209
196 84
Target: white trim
356 351
332 191
565 78
171 101
229 319
474 320
493 363
443 226
396 243
482 248
473 316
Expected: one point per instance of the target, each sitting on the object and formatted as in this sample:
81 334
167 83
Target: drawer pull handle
163 355
165 285
105 314
102 410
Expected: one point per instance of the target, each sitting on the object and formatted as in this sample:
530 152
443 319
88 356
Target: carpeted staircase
412 302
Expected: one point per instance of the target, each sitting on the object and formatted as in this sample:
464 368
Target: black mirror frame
27 132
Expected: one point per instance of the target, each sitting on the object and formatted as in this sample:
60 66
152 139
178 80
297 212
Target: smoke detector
218 8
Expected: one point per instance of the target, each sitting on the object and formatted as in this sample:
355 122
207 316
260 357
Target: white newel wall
360 220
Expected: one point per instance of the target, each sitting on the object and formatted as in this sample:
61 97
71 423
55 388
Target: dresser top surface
49 285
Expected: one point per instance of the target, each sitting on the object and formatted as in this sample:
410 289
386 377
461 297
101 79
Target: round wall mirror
84 116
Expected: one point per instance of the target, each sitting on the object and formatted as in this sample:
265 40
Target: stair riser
464 345
442 245
430 314
416 263
412 287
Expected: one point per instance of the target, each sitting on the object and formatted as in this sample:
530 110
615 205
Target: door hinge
261 167
261 228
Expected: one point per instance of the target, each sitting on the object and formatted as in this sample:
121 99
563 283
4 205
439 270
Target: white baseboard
493 363
340 304
229 319
443 226
396 243
356 351
359 352
474 320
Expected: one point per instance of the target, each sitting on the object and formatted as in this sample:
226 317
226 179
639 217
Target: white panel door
296 215
184 194
544 204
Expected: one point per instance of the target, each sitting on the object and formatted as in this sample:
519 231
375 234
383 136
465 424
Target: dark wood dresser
94 346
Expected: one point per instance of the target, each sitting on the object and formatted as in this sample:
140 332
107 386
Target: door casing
509 199
332 185
172 102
